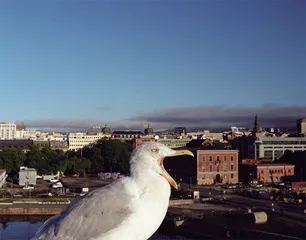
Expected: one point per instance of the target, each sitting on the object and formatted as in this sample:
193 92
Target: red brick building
217 166
251 170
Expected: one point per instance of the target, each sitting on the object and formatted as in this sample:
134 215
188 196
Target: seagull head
149 156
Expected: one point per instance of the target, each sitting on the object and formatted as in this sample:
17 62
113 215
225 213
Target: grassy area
35 199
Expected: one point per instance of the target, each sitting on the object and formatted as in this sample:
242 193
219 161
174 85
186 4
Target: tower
256 129
148 130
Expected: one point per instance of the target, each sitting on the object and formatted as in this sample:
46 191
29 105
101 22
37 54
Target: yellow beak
165 174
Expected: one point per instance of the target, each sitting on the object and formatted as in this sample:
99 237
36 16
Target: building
41 143
3 177
149 130
59 145
256 170
272 148
126 135
205 134
211 165
301 125
27 176
106 130
20 131
180 131
217 166
7 130
298 187
172 142
25 145
79 140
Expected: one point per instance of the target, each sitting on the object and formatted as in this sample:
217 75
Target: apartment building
79 140
217 166
272 148
7 130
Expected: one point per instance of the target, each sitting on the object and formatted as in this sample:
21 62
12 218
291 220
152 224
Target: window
203 159
224 158
261 171
210 168
218 158
232 167
232 175
232 158
289 170
210 158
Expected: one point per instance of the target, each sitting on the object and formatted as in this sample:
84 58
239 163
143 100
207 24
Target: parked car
18 195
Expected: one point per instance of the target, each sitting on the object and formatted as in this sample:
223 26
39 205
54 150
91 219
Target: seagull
130 208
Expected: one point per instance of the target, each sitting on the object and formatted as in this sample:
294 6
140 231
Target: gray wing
98 212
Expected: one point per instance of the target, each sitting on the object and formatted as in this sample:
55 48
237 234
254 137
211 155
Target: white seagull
131 208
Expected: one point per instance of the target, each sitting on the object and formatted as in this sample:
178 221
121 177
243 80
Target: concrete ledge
30 211
180 202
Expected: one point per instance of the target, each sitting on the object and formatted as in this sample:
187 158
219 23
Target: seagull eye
154 150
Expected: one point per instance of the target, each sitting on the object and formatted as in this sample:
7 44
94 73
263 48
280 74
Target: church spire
256 127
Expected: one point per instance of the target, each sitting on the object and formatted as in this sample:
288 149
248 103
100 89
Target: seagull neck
145 179
142 173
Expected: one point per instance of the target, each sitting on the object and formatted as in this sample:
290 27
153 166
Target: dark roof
23 144
274 165
127 132
197 145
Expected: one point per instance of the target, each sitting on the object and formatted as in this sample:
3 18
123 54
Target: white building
79 140
301 125
205 134
274 147
7 130
3 176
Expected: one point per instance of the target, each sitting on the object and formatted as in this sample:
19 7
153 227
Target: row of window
218 169
284 142
276 171
217 158
125 136
224 176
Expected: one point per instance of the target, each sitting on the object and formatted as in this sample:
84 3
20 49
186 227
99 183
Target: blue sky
105 61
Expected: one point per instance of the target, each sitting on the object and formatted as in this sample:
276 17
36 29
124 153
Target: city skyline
196 63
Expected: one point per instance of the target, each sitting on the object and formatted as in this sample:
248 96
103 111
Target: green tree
36 159
78 165
116 155
11 159
94 154
46 160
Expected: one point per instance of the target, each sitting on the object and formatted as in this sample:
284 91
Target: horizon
78 64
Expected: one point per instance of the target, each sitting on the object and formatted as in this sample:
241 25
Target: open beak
164 173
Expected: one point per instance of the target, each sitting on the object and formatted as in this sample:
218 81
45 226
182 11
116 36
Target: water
26 230
18 230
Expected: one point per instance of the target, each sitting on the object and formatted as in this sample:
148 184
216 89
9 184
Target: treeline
106 155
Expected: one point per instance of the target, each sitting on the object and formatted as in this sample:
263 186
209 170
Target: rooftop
25 169
260 163
275 165
281 139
